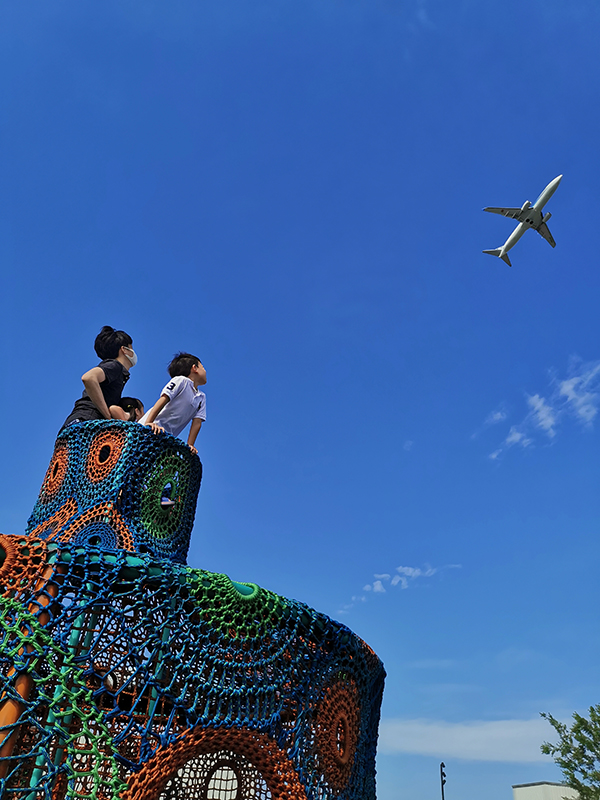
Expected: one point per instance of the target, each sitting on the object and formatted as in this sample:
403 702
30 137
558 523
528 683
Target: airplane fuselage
528 216
547 193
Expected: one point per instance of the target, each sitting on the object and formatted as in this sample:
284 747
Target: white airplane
529 216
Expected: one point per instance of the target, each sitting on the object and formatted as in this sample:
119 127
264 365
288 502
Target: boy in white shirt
180 401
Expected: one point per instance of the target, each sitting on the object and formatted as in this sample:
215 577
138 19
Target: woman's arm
92 380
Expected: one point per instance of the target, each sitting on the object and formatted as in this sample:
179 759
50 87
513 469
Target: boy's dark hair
129 403
182 364
109 342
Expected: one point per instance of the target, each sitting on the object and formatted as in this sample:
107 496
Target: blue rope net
126 674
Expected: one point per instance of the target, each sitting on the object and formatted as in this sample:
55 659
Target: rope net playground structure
125 673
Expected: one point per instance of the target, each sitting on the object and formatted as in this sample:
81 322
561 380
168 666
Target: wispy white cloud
402 576
408 445
576 396
516 436
543 414
417 572
516 740
354 600
580 392
495 417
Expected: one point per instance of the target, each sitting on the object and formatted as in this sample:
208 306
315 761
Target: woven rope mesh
224 775
126 674
119 473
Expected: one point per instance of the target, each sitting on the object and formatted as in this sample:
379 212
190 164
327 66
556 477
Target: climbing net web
216 776
117 485
126 674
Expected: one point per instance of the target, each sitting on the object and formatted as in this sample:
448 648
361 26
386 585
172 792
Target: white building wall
543 791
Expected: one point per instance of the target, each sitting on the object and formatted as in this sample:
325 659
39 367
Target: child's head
182 364
109 342
133 407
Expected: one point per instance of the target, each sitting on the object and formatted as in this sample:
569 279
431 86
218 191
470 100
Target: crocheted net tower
126 674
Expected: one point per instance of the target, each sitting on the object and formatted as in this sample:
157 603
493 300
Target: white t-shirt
185 404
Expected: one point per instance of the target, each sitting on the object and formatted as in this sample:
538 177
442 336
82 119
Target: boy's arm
156 409
194 431
92 380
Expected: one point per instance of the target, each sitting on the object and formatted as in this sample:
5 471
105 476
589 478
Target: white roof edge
540 783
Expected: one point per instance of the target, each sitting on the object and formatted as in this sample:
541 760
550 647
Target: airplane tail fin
498 252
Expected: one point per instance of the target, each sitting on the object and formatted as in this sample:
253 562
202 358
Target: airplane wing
543 231
513 213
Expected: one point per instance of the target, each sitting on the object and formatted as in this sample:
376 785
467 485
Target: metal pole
442 777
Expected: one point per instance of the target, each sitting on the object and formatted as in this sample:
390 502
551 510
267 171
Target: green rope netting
61 733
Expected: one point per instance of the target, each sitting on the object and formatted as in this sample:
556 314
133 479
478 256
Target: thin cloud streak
403 577
576 397
542 414
513 740
495 417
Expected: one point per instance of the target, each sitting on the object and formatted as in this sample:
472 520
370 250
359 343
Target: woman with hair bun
104 383
128 409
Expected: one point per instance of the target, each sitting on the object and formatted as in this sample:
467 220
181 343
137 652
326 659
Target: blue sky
293 190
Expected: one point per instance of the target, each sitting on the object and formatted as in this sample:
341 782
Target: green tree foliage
578 752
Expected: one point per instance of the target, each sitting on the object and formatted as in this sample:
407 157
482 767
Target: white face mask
132 358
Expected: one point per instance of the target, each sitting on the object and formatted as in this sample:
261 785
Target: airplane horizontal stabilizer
513 213
543 231
498 252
